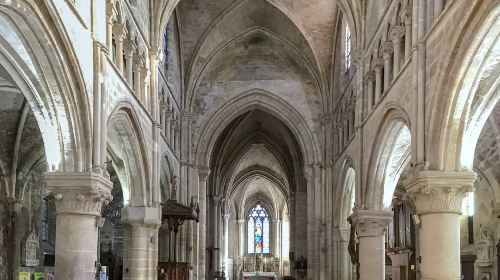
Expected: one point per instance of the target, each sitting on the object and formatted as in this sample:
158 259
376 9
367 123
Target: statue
173 182
353 247
485 249
259 265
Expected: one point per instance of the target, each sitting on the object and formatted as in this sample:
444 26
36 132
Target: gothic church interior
250 139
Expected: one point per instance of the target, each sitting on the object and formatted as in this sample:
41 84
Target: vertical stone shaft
370 227
78 199
438 199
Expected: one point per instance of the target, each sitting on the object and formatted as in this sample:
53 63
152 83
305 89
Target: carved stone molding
370 76
203 173
78 193
371 223
378 64
387 50
308 171
440 192
396 33
359 58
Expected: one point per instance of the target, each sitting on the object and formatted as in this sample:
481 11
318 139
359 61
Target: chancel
250 139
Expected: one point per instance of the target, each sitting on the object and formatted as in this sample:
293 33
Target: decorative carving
359 58
371 222
485 249
30 246
308 171
370 76
439 191
203 173
396 33
82 193
378 64
387 50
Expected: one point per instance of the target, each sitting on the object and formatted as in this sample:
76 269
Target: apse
255 170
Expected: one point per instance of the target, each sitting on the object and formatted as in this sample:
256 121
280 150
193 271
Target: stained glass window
258 230
45 220
348 48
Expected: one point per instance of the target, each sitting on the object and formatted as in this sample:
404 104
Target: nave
250 139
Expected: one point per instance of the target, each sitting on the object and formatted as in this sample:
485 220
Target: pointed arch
252 100
42 63
347 197
126 142
471 81
390 154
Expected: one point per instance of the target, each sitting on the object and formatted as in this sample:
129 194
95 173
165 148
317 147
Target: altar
260 276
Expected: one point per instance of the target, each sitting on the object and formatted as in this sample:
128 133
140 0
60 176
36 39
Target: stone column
141 242
370 78
308 171
241 237
277 237
163 110
396 34
291 223
388 49
400 259
137 75
343 269
177 138
378 63
129 49
215 239
166 128
406 18
370 227
438 199
78 199
119 35
203 174
145 98
173 124
225 244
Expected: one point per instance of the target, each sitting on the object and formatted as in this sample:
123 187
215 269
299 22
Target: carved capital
78 193
378 64
119 31
168 115
370 76
359 58
308 171
163 106
387 50
129 48
396 33
370 223
203 173
439 191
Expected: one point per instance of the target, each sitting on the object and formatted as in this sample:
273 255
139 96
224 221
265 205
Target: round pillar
78 199
370 227
141 242
438 199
